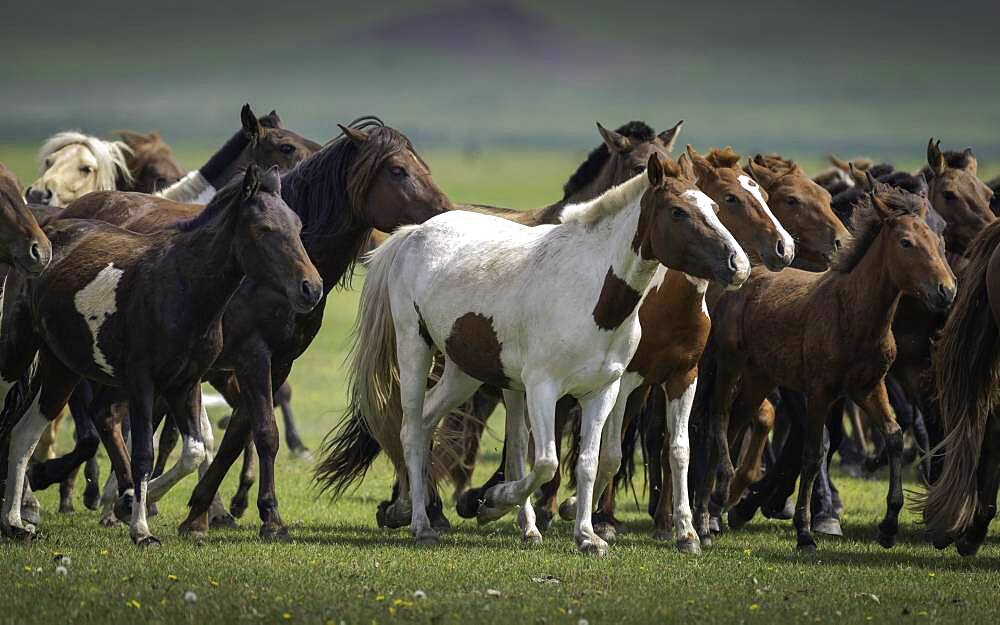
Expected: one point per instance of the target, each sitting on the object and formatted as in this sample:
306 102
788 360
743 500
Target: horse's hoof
829 526
440 522
222 521
785 513
940 540
592 546
488 514
567 509
427 537
193 528
690 546
301 453
532 537
966 547
663 535
885 539
31 516
467 504
123 508
66 506
25 534
92 497
238 506
706 541
152 509
606 531
737 519
274 533
715 525
543 519
149 542
806 546
108 521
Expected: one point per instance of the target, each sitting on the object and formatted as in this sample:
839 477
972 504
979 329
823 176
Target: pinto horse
962 503
829 336
143 312
528 332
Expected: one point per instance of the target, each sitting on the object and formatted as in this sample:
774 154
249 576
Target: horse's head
743 207
914 254
73 165
803 208
22 242
630 148
271 145
150 161
957 193
679 227
269 246
390 184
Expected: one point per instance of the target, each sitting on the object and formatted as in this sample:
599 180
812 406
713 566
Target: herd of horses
725 315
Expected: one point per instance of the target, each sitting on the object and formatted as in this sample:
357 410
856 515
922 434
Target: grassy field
340 568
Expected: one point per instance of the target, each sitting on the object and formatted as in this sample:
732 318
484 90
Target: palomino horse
348 453
961 504
527 329
828 336
370 178
73 164
143 312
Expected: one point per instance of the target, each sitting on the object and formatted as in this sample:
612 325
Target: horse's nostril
732 262
779 248
35 251
837 244
945 293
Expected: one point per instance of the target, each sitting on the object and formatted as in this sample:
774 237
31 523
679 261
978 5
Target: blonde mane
609 203
110 155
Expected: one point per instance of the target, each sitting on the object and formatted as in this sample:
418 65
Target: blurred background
519 84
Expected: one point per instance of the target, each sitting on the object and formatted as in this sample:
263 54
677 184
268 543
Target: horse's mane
866 224
608 203
636 130
724 158
144 148
224 199
328 189
110 155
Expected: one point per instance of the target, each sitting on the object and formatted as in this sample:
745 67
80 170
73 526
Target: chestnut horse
143 313
962 503
516 334
828 336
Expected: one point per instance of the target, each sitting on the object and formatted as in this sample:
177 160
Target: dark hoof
223 521
92 497
149 542
940 541
885 539
689 546
785 513
152 509
544 519
384 520
967 548
606 531
238 506
706 541
66 506
829 526
193 527
20 534
123 508
737 518
275 533
808 546
567 509
440 522
467 504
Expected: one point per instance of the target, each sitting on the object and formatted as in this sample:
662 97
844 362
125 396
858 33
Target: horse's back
136 211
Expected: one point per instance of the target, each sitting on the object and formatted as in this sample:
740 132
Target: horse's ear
935 159
654 170
134 139
880 207
840 164
701 167
251 182
252 127
685 169
271 120
669 137
760 173
864 178
971 163
616 142
356 135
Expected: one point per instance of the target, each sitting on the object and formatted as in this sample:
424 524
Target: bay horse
828 336
961 504
151 163
504 305
143 312
346 456
370 177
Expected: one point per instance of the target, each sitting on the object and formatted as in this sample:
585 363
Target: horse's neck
868 295
205 260
612 240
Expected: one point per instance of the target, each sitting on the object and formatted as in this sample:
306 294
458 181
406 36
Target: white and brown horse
547 322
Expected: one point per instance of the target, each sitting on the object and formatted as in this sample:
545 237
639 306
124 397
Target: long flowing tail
967 368
374 415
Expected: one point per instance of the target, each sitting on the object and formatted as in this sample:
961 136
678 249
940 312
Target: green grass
340 567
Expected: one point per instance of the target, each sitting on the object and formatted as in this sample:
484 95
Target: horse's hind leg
63 470
988 480
248 474
169 436
752 456
876 406
283 400
92 492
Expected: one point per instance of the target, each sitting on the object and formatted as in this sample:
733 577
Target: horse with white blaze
540 311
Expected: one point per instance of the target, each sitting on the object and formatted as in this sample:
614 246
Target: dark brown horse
150 162
961 504
143 312
23 245
828 336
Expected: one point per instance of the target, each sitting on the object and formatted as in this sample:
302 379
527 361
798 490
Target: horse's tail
967 368
374 414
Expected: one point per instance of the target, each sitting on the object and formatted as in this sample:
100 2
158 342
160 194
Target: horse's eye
730 198
906 243
950 196
679 213
791 200
286 148
398 172
86 170
48 163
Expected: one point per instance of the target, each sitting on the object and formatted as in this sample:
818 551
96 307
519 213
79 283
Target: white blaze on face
753 188
707 207
96 302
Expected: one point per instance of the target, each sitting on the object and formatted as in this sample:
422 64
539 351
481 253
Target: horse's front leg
610 458
141 419
678 415
594 411
876 406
